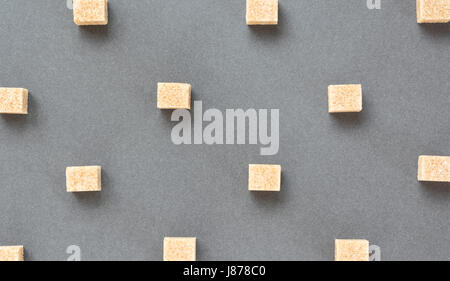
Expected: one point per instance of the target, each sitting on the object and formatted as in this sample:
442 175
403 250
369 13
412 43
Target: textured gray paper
93 101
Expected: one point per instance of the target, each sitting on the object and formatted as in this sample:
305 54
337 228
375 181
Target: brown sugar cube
264 177
13 101
344 98
434 168
351 250
174 96
85 178
180 248
262 12
90 12
433 11
11 253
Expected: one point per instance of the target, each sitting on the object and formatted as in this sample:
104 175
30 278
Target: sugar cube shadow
199 251
167 113
98 33
96 199
348 120
436 190
271 199
269 32
438 30
27 256
20 122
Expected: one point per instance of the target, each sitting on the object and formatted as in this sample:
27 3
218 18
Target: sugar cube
264 177
90 12
13 101
433 11
11 253
262 12
84 178
180 248
351 250
174 96
434 168
344 98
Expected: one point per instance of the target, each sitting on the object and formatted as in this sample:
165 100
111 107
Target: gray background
93 101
